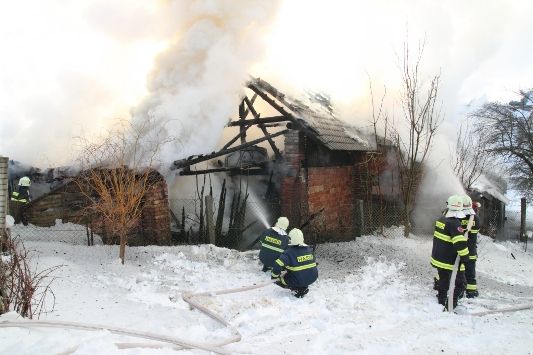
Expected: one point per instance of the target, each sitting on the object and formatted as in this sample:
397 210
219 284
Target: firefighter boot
435 284
472 293
300 292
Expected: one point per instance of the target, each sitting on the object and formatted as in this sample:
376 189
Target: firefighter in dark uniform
470 272
273 242
448 243
299 262
21 198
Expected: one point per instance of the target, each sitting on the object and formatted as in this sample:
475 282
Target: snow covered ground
374 296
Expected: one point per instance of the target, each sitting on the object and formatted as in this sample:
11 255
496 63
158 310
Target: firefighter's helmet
455 203
24 181
296 237
283 223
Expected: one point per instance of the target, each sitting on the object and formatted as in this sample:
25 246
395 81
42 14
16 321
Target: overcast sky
70 68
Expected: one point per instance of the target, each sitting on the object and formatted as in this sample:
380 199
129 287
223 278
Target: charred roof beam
262 126
183 163
265 120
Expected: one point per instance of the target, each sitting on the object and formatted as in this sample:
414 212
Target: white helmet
283 223
455 203
455 207
24 181
467 205
296 237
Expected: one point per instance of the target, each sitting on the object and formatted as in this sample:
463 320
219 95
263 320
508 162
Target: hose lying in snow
212 347
188 297
145 335
503 310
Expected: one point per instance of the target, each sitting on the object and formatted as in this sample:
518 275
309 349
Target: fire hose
187 297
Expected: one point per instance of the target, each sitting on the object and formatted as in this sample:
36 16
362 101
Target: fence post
522 219
3 211
359 218
209 218
4 200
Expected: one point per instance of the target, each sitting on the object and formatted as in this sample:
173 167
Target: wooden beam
245 112
247 170
234 138
178 164
263 128
263 120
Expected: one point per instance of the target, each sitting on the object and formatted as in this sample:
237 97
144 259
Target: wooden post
359 218
522 220
4 200
209 218
3 211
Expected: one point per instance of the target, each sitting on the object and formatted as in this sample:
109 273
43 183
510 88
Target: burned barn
64 201
325 175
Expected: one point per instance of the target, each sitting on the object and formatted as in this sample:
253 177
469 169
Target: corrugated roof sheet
331 131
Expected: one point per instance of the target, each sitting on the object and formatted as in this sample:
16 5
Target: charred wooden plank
263 128
183 163
263 120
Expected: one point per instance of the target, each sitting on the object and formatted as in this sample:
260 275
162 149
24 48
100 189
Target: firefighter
448 243
273 242
299 262
21 197
470 272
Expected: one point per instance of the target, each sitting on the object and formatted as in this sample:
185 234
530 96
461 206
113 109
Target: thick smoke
195 87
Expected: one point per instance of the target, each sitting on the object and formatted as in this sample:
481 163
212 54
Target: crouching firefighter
20 199
273 242
449 242
470 266
299 262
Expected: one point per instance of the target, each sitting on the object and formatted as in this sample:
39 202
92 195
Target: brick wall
293 203
330 188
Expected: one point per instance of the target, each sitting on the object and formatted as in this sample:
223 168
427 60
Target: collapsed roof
319 120
315 118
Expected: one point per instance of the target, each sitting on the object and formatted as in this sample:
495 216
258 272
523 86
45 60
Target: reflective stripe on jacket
300 263
22 194
472 236
448 242
272 245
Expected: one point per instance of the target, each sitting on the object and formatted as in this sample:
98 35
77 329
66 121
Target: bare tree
117 173
508 134
422 117
470 157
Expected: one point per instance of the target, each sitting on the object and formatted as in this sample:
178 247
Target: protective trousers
444 285
470 274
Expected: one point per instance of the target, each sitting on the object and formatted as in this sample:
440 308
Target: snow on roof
321 121
485 186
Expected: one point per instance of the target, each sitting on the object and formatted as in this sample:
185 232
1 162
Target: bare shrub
117 172
24 290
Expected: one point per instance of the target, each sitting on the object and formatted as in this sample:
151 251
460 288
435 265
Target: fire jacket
472 236
22 194
272 245
300 263
448 242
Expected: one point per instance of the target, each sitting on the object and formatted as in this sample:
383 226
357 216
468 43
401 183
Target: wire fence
240 221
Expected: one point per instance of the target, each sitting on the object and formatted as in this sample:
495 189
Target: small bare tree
422 117
470 158
117 173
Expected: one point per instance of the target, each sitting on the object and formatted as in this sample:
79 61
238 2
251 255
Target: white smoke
195 87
